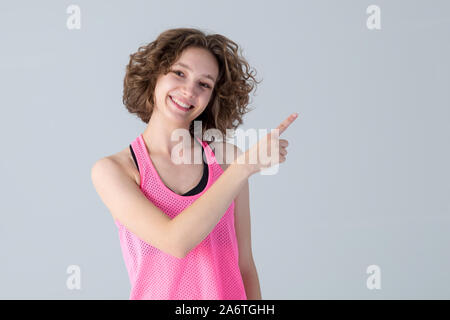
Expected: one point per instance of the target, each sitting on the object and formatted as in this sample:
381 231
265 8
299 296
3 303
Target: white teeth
181 103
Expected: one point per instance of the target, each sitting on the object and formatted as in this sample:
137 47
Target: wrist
246 168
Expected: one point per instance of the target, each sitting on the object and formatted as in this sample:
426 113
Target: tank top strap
146 170
209 153
140 154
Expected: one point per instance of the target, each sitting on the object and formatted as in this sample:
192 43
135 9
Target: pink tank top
210 271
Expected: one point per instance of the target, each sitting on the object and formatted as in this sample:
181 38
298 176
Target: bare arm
126 203
194 223
181 234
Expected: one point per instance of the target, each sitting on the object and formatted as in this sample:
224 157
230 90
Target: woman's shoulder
125 162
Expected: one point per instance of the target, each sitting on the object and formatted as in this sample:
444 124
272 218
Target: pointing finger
287 122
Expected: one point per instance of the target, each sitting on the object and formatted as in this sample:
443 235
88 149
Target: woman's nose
189 90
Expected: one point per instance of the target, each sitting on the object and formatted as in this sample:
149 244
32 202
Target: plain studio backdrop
366 181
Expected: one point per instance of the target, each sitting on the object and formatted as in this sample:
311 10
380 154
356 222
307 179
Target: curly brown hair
230 98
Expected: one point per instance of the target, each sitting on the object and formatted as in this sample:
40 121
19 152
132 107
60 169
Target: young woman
185 228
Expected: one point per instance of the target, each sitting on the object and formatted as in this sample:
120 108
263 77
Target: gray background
366 180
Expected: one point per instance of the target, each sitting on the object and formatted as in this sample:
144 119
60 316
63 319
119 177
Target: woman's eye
205 85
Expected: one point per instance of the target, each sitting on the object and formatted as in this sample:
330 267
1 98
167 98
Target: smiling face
185 91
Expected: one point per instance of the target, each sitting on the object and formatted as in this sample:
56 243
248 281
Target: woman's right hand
269 151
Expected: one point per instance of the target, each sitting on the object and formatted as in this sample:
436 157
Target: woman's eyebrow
187 67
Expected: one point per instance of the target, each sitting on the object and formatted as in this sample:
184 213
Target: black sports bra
198 188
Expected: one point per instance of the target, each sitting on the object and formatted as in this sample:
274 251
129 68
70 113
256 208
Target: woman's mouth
180 105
